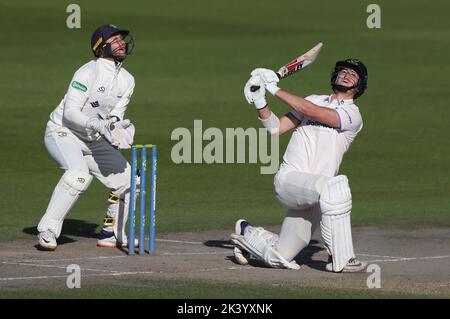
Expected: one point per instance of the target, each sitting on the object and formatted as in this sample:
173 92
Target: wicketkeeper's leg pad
69 188
118 209
336 205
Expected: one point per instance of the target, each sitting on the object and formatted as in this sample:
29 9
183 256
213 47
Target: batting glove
269 77
259 96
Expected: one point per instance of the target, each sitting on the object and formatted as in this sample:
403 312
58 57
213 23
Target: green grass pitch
191 61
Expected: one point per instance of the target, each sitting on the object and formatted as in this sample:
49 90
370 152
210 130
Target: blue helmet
99 46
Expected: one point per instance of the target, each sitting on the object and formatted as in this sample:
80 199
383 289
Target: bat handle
254 88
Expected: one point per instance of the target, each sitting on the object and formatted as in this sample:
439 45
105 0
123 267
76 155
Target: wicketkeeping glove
104 127
259 96
123 134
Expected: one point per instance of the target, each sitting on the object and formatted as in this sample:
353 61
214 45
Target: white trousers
300 193
96 158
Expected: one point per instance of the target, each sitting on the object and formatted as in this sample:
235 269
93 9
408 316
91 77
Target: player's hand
269 77
123 134
259 96
103 127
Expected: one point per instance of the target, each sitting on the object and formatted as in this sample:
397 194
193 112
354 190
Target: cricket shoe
240 226
47 240
353 265
241 256
109 240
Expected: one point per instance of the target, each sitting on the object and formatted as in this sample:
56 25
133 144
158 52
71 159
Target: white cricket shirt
316 148
100 89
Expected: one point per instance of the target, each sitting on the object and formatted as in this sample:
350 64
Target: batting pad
335 226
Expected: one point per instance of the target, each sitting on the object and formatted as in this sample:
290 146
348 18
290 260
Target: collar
109 65
339 102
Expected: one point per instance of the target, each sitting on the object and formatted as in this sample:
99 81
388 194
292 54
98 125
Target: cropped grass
195 289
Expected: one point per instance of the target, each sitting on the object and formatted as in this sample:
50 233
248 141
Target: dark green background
191 61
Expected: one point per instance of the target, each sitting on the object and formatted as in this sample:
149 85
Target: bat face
300 63
290 68
296 65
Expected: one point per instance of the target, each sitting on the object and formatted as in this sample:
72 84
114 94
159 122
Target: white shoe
240 226
47 240
353 265
109 240
241 256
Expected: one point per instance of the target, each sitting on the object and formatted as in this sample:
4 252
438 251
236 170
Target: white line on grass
200 253
70 259
84 275
56 266
409 258
181 241
370 255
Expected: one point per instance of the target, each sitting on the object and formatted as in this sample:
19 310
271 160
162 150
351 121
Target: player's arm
120 108
285 123
300 105
76 97
273 124
308 109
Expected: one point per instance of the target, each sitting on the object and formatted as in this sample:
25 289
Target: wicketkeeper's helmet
356 66
98 41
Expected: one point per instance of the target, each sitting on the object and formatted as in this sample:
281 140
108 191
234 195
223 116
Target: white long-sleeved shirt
316 148
99 89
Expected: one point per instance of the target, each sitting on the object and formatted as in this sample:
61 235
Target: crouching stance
307 182
84 135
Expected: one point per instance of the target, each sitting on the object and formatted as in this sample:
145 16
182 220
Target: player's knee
273 258
122 183
76 181
335 197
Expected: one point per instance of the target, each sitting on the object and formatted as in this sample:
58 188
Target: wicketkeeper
84 135
307 182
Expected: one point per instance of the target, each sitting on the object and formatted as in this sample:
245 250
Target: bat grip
254 88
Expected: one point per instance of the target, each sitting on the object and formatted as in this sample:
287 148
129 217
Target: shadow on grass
71 227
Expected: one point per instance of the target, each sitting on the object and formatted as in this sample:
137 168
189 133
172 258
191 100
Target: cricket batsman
85 133
307 182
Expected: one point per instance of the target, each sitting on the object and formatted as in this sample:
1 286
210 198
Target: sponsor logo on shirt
317 123
95 104
77 85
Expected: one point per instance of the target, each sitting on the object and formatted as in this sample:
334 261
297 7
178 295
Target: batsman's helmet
101 34
356 66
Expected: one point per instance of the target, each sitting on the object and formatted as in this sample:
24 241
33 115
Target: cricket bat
296 65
